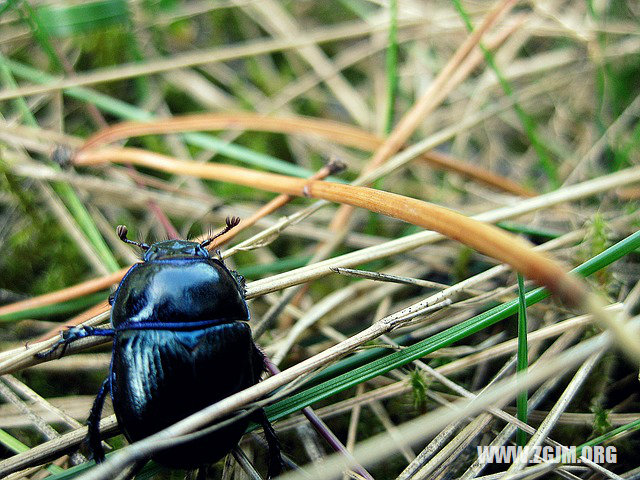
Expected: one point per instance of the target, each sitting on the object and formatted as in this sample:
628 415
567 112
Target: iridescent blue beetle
180 343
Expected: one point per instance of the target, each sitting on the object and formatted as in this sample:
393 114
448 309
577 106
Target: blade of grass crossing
392 66
64 190
19 103
127 111
529 125
522 364
17 446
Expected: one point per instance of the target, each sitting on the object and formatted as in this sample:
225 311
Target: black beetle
180 343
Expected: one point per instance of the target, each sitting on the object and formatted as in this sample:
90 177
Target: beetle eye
112 297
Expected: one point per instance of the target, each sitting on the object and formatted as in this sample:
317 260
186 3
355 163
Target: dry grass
187 113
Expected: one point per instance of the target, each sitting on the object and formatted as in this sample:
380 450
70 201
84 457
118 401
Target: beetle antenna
122 231
231 222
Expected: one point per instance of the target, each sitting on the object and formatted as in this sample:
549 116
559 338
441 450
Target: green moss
596 242
419 390
40 259
601 423
462 263
38 256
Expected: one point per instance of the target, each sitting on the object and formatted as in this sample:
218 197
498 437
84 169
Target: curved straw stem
480 236
85 288
341 133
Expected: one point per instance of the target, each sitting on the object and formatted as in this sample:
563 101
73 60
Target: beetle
181 342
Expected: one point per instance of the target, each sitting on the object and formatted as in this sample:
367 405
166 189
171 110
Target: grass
523 361
514 106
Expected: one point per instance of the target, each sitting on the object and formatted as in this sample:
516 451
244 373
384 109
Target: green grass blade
17 446
529 125
86 223
363 10
66 20
104 102
392 66
629 427
127 111
280 265
150 470
19 103
398 359
538 232
523 363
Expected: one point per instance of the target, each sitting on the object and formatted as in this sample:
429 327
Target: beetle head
175 248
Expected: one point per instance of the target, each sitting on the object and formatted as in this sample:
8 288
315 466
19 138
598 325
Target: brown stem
482 237
79 290
340 133
281 200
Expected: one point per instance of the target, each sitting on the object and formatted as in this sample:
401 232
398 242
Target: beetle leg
93 422
73 334
276 463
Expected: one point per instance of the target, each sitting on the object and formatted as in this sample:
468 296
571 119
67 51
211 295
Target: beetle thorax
178 289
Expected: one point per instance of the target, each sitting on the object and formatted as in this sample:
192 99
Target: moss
40 258
419 390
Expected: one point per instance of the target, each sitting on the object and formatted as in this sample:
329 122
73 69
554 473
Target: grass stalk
64 190
314 271
482 237
529 125
523 361
391 67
